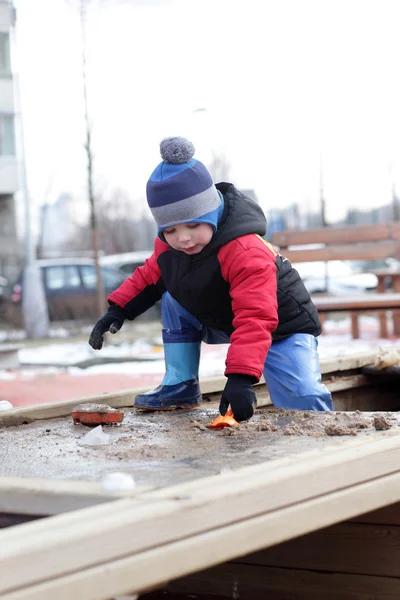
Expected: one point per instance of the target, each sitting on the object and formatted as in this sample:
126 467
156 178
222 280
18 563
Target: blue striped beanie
180 189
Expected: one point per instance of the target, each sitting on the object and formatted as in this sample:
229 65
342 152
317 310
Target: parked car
383 264
125 262
364 266
341 278
3 287
3 284
70 288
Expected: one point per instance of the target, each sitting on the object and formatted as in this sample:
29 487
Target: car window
130 267
62 276
110 278
88 273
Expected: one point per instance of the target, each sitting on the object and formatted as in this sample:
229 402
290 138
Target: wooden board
43 497
347 560
375 251
45 485
389 515
366 549
144 570
28 414
161 535
208 386
371 302
149 537
254 582
337 235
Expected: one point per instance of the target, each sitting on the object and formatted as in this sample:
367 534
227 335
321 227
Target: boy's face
189 238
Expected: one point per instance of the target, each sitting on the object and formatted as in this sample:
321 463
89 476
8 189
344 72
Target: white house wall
8 175
6 15
10 250
6 96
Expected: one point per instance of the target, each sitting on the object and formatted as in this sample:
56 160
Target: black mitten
112 321
240 395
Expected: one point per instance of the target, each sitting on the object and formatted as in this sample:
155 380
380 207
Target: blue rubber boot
180 386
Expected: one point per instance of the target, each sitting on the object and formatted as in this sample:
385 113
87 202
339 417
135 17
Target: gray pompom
176 150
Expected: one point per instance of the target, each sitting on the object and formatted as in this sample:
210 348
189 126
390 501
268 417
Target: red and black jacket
238 284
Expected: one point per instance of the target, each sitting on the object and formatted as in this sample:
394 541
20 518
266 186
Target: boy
219 282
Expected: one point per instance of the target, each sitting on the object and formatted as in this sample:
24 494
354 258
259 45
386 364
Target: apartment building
10 249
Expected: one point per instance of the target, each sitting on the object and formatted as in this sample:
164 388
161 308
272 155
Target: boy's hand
240 395
112 321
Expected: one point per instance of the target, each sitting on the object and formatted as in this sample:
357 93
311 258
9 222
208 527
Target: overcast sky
282 81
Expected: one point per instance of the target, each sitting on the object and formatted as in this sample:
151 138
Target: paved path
41 389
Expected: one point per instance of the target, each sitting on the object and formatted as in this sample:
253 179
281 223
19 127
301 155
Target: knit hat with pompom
180 189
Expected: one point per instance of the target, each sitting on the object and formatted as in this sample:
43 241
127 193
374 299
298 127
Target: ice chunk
5 405
96 437
118 482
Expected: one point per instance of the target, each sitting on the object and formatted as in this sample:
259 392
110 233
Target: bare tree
95 236
88 146
121 224
116 217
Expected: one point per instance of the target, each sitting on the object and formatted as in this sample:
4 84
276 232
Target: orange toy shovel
226 421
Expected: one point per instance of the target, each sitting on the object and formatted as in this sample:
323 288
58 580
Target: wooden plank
374 251
48 496
337 235
269 583
355 330
345 363
208 386
366 549
10 519
337 384
137 572
51 547
43 497
368 398
389 515
365 302
28 414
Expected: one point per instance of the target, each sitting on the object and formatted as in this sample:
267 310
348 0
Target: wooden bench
352 242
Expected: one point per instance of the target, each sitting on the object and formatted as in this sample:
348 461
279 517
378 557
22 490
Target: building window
7 135
5 65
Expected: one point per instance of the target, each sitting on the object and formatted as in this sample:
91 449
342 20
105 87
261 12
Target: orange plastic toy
227 421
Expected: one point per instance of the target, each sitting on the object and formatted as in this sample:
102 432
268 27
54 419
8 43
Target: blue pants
291 370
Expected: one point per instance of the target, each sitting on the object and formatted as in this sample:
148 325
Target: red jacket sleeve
142 290
248 265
